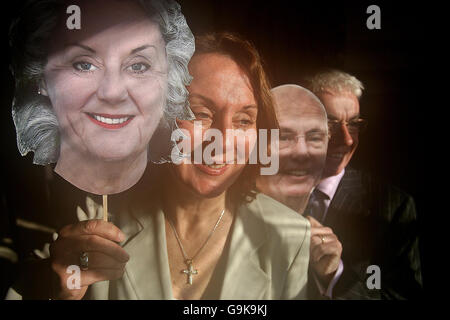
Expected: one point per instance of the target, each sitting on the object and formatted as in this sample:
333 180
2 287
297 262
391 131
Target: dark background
295 39
298 38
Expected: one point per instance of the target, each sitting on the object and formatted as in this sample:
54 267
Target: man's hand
325 251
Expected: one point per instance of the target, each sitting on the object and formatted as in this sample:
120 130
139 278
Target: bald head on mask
303 146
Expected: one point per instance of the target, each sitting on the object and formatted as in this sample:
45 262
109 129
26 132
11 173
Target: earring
39 91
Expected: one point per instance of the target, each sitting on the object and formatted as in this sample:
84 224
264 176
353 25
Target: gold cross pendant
190 271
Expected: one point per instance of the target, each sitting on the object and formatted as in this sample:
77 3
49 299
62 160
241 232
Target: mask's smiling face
303 145
107 82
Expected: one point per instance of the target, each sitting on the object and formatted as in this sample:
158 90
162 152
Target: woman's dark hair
245 55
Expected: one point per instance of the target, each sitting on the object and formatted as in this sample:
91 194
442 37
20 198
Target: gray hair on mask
36 124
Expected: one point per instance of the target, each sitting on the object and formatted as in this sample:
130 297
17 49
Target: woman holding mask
89 100
230 91
201 232
209 235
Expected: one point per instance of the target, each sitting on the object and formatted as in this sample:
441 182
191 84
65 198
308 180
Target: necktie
316 206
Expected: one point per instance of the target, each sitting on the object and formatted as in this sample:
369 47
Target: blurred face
303 145
221 97
107 82
343 143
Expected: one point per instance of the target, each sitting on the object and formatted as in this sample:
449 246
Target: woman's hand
106 258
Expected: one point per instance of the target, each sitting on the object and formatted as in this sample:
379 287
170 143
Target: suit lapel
347 197
244 278
351 219
147 271
238 274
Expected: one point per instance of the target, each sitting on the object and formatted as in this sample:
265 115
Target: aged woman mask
109 84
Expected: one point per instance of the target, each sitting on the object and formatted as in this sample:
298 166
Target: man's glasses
354 126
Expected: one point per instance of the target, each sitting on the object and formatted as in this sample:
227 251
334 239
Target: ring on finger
322 237
84 261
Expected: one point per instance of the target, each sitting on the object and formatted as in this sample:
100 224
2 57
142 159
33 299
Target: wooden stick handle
105 207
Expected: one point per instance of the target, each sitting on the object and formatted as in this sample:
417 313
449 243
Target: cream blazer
266 257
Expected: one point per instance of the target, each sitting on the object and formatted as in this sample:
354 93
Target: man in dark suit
375 223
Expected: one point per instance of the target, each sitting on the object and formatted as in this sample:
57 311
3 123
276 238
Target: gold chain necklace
190 271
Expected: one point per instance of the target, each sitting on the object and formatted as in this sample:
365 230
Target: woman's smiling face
107 82
221 98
